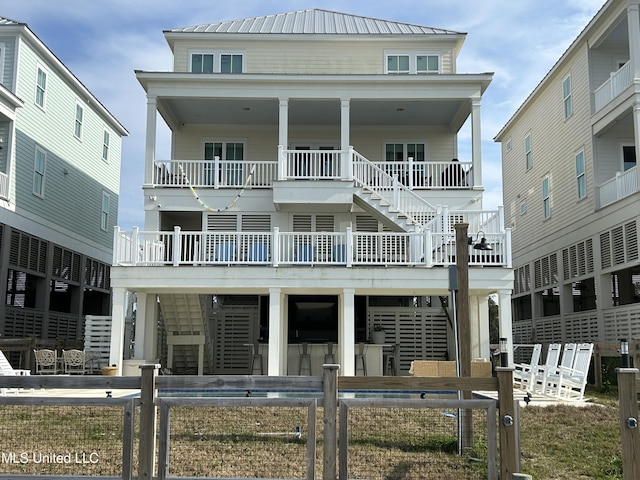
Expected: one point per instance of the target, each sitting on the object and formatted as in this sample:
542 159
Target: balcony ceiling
185 111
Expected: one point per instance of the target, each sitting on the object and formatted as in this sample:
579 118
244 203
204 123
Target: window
527 151
104 221
2 50
41 87
105 146
231 155
216 62
38 172
202 62
427 64
566 95
79 115
412 63
507 145
546 198
397 63
523 207
581 179
628 157
401 152
230 63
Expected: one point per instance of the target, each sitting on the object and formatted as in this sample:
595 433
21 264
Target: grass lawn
557 441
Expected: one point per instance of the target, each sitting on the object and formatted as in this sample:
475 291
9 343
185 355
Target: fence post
509 455
330 412
147 447
628 397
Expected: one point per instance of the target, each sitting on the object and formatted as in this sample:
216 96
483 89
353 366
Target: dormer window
216 62
412 62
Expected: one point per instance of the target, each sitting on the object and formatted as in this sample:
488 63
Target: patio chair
540 372
46 361
547 381
570 382
74 362
524 373
7 369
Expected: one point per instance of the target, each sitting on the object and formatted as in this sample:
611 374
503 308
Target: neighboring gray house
310 197
60 155
570 182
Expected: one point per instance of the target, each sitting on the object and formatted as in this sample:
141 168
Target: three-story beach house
570 176
59 186
310 199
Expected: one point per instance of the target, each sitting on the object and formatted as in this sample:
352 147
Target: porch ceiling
184 111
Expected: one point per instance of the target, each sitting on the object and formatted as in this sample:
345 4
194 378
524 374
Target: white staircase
186 332
384 196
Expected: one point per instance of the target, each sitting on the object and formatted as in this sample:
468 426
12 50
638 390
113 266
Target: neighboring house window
104 222
79 115
523 207
628 157
546 198
230 63
202 62
527 151
566 95
39 171
581 179
105 146
2 50
412 63
41 87
507 145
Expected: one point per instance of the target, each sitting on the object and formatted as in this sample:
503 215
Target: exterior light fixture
504 355
482 245
624 353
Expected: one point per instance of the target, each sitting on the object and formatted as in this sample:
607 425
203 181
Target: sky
103 41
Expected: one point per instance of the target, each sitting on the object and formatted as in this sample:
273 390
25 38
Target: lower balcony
284 249
618 187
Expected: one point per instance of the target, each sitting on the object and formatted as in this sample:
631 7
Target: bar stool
256 356
329 356
305 358
391 360
361 356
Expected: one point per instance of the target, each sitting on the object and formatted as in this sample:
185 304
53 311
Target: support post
330 412
509 455
464 329
629 435
147 447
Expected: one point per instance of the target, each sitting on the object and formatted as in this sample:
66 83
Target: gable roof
314 21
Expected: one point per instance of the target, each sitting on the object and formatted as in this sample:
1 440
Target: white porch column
141 322
345 105
283 135
277 360
476 143
146 331
633 30
480 344
118 312
150 140
504 303
347 331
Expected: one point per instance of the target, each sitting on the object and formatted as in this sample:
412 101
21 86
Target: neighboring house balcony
4 186
614 86
432 246
618 187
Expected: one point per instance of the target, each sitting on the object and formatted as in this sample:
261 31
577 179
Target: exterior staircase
386 198
186 332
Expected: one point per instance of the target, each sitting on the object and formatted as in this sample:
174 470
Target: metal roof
314 21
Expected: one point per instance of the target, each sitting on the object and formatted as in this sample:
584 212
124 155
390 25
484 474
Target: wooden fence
147 404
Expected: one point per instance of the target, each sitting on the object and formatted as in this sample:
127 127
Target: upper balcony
618 187
617 83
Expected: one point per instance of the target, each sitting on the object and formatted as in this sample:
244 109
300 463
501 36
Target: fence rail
327 387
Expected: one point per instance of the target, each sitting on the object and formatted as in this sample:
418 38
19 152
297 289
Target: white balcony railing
617 83
4 186
175 248
306 165
618 187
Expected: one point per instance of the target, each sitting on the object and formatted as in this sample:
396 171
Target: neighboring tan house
59 185
570 181
310 198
